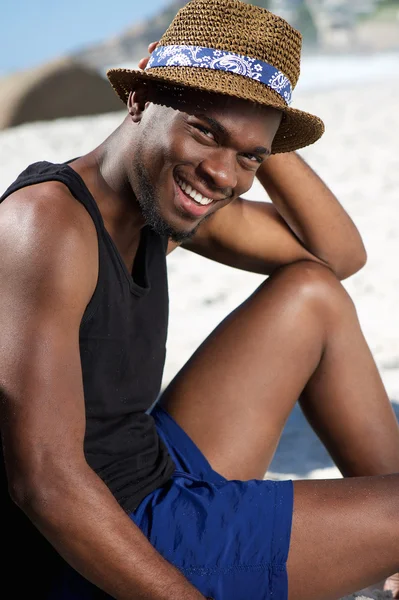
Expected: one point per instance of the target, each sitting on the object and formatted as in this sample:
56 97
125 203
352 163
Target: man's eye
253 158
205 131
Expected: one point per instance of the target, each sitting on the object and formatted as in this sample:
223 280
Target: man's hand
143 62
392 585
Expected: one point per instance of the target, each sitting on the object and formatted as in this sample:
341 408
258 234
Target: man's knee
314 285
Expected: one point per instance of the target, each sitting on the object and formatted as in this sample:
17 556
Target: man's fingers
152 47
392 585
143 63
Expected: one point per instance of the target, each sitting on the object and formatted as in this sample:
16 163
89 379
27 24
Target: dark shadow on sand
300 450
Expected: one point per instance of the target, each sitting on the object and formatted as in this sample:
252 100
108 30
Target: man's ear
136 104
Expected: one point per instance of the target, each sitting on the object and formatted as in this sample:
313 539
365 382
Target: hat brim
297 129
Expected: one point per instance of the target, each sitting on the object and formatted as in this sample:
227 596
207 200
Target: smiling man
197 153
171 503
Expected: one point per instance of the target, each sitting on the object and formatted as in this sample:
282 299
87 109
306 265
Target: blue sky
35 31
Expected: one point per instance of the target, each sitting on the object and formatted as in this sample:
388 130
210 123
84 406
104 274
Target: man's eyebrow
218 127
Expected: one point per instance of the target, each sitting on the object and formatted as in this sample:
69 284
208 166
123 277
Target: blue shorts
230 539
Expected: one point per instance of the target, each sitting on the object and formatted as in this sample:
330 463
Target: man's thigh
234 395
344 536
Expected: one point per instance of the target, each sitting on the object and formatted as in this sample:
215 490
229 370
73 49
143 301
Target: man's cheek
185 150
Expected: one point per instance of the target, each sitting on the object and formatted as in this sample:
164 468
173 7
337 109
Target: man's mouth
193 193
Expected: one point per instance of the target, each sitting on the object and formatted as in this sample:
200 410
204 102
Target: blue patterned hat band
223 60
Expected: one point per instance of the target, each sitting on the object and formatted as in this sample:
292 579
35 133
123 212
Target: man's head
244 61
194 153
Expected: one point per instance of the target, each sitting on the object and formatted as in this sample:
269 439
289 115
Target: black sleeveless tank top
122 348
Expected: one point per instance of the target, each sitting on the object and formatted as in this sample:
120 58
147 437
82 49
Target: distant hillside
129 47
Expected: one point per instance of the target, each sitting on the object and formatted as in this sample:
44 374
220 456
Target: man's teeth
193 193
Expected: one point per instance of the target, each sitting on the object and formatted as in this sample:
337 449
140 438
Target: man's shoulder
50 240
40 191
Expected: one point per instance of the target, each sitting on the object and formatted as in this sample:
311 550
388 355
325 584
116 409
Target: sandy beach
357 157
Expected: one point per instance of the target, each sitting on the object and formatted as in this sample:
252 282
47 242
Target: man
172 504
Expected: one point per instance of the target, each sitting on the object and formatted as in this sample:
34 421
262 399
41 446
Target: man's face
197 154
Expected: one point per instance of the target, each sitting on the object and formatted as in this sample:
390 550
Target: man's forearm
85 524
313 212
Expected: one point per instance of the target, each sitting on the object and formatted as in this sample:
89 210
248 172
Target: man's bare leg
345 536
296 337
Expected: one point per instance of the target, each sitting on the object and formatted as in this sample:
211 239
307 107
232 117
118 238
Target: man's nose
220 169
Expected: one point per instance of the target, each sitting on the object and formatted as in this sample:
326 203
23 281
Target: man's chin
181 236
177 227
173 224
171 230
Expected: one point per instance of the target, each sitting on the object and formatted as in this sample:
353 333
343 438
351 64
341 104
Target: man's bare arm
48 272
304 221
248 235
313 212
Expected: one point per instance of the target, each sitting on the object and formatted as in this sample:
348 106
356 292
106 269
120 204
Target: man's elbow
350 266
36 491
26 492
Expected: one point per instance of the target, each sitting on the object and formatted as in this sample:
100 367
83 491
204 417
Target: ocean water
323 71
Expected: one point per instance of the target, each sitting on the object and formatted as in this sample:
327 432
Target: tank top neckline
141 250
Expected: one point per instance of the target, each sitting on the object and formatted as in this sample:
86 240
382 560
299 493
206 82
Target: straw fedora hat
233 48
